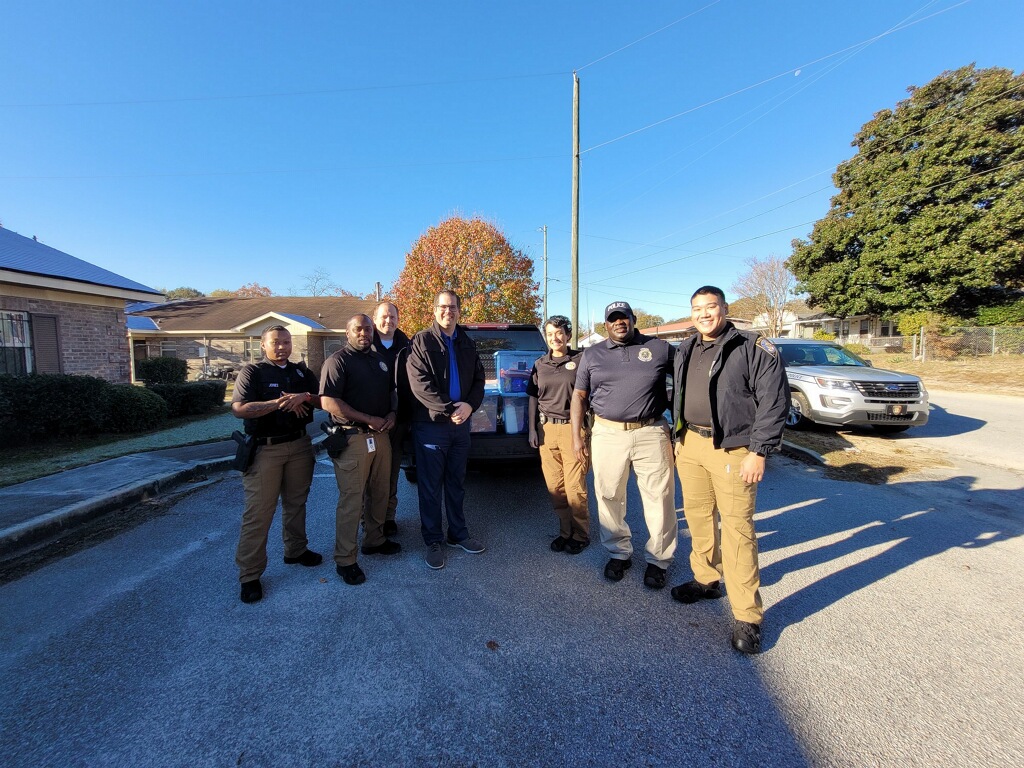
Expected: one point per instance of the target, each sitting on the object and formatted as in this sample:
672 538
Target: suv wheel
798 410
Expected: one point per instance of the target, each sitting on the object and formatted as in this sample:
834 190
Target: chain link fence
966 342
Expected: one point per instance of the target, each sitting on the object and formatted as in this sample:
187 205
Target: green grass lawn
40 459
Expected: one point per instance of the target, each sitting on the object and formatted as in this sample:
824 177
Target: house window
168 348
865 327
15 343
887 328
251 351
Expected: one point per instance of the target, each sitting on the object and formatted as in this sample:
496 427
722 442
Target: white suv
831 385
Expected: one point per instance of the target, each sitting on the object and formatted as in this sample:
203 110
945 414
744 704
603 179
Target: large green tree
930 211
494 279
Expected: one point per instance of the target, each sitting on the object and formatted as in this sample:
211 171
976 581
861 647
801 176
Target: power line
283 94
651 34
767 80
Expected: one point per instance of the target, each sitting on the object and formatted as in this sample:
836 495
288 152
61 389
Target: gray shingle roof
224 314
23 254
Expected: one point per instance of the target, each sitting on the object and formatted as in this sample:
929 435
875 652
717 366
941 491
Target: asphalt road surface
892 637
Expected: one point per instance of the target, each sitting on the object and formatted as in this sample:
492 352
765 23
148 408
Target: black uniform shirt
697 401
262 381
551 382
627 382
362 379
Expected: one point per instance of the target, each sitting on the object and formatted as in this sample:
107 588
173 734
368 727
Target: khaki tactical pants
284 470
648 451
358 472
566 481
713 493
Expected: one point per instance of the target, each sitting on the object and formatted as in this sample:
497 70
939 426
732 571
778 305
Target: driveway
892 637
980 428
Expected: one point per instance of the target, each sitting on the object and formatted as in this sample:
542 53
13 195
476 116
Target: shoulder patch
767 346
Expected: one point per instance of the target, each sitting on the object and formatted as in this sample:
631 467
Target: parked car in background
831 385
498 428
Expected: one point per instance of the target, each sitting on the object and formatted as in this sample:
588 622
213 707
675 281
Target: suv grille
890 391
891 419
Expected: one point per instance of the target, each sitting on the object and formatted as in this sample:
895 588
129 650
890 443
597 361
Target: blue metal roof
304 320
23 254
141 323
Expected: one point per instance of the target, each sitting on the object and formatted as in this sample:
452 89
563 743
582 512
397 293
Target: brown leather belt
627 425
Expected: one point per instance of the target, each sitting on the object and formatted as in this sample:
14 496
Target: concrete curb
22 537
802 452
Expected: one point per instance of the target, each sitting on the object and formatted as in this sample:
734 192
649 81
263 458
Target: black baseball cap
618 306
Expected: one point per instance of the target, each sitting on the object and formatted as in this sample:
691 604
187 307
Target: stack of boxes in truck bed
505 398
513 376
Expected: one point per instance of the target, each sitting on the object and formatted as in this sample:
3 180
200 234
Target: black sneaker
654 577
616 569
309 558
746 637
390 528
252 591
352 574
574 547
558 545
692 591
387 548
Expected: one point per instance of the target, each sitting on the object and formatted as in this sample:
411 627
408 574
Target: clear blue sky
211 144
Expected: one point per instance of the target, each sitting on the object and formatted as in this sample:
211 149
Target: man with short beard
357 389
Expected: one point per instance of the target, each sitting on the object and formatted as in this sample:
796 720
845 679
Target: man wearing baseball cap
623 379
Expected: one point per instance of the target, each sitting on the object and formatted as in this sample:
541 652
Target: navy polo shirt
627 382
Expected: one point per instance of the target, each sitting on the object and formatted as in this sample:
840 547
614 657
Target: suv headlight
834 383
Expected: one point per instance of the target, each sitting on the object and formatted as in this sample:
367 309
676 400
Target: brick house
225 332
60 314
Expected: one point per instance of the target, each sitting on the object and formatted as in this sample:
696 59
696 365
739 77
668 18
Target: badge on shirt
383 366
371 445
570 366
645 355
299 371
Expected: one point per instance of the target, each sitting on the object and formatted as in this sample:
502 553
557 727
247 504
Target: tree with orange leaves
253 290
473 258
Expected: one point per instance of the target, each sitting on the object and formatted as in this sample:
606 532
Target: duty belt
627 425
702 431
278 439
545 419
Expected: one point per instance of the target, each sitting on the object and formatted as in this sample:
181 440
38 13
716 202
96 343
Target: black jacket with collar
748 389
428 369
396 356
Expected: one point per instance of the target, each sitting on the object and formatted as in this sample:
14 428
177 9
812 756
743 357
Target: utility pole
379 288
544 316
575 210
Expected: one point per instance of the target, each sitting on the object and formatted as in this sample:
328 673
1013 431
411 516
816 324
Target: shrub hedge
132 409
162 370
51 405
192 398
44 406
